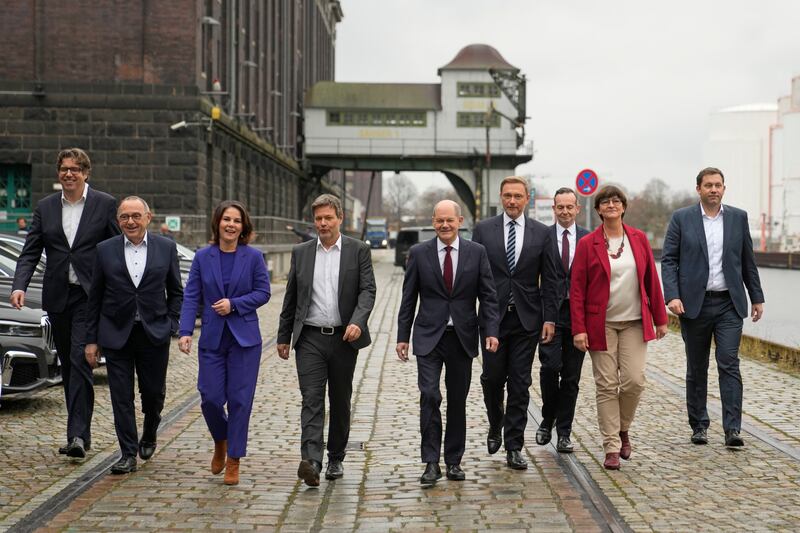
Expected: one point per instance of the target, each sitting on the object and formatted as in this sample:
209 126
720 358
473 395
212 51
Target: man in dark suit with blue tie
706 264
448 275
133 309
523 269
67 226
561 361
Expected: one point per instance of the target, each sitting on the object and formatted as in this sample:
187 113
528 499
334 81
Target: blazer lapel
696 219
216 269
433 257
343 260
727 228
500 232
120 251
236 274
463 257
151 253
306 269
599 246
88 209
527 239
638 258
557 231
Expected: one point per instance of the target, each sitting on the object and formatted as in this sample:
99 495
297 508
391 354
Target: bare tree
430 197
398 198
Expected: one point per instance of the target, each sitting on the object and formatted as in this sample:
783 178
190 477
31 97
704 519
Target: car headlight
367 241
383 242
20 329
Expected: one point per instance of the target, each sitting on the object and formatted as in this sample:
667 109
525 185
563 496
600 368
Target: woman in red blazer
616 298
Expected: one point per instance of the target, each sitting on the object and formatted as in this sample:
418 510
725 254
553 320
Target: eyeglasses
125 217
66 170
610 201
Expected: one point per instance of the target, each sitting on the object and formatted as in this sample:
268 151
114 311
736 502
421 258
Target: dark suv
408 237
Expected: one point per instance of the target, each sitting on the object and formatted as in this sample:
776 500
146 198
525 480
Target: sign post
586 184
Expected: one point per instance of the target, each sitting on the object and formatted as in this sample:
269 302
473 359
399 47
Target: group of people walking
112 289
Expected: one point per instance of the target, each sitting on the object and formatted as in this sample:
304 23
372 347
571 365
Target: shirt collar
128 242
703 212
441 246
337 244
64 200
571 229
506 219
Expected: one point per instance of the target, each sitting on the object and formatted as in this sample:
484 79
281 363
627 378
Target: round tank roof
478 57
750 108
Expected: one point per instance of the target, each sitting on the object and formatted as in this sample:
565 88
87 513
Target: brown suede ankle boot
232 471
218 461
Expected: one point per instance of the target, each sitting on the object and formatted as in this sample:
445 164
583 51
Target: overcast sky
624 87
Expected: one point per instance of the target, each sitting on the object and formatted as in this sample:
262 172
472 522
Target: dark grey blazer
684 260
356 289
98 223
562 290
424 280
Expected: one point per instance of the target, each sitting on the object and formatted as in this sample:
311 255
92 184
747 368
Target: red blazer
591 281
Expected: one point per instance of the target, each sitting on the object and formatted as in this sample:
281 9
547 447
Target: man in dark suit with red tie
560 373
523 269
448 275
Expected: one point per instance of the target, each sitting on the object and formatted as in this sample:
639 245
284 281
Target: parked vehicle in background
377 232
408 237
185 258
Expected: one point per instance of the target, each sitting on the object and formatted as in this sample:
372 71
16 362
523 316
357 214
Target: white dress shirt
136 259
70 218
519 222
714 238
572 238
323 310
453 257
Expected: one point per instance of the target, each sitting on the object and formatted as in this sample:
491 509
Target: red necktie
448 269
565 250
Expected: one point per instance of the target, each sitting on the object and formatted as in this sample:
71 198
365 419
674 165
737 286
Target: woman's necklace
619 250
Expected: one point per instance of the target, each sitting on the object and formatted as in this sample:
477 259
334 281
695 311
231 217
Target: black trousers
69 336
509 365
150 364
458 375
719 320
560 376
324 360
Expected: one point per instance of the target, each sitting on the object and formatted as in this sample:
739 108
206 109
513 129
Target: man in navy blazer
448 275
67 226
133 310
706 265
523 270
560 373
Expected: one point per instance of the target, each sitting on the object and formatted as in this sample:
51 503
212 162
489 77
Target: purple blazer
248 290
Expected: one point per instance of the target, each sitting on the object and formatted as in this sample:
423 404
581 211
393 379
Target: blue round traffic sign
587 182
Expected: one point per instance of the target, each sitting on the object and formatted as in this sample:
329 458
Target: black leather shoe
564 445
75 448
431 474
732 439
308 471
454 473
63 449
700 436
126 465
515 460
146 449
493 441
335 469
543 434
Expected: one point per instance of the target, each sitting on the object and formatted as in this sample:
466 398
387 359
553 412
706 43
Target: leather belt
326 330
717 293
511 308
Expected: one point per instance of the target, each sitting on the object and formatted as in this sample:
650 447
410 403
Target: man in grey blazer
706 265
449 276
329 297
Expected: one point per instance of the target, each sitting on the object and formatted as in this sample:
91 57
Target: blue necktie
511 248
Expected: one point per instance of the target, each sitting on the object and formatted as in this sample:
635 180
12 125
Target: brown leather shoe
625 449
232 471
218 461
612 461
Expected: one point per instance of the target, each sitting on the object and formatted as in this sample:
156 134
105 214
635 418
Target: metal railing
414 147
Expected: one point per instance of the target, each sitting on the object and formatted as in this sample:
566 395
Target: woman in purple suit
229 280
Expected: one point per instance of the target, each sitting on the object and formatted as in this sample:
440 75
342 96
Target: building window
476 120
468 89
405 119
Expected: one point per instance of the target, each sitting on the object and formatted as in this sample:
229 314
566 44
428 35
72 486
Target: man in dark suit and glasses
707 263
448 275
329 297
561 362
67 225
523 270
133 310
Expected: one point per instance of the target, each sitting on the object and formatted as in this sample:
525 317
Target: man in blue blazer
329 297
524 275
133 309
706 265
448 275
67 226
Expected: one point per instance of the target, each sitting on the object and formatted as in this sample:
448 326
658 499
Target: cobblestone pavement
669 484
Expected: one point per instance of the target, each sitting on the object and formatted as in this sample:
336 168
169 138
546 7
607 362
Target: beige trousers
619 379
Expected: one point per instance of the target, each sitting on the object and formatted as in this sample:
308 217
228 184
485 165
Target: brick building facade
120 79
